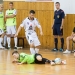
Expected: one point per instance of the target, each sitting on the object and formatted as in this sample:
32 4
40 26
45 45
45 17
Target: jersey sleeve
37 23
23 23
62 14
15 12
74 29
25 59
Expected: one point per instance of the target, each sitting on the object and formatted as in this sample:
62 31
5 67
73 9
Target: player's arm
73 33
63 16
62 22
15 61
19 29
39 26
24 61
53 23
53 20
11 16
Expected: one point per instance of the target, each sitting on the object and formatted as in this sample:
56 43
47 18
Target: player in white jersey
29 25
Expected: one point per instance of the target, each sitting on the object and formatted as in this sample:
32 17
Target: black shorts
57 31
44 60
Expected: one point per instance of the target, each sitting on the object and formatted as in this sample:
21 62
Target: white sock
32 50
15 41
36 50
5 40
1 39
8 41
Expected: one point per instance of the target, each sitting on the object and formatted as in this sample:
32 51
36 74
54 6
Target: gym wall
44 13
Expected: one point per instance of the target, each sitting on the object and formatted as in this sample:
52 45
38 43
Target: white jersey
29 25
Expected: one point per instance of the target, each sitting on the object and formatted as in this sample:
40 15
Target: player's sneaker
9 48
1 47
61 50
52 63
67 52
15 48
74 53
64 62
55 49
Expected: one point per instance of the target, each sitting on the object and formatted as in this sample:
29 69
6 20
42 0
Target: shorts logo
28 23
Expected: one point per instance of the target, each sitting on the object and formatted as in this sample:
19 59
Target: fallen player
24 58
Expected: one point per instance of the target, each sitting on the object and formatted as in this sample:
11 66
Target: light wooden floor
8 68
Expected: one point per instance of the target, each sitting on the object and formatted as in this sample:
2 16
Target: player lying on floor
31 59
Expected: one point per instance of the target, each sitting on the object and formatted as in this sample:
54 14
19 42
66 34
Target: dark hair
15 52
32 11
11 3
57 3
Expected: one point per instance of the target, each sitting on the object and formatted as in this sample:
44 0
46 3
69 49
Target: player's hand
61 27
19 63
14 61
16 35
52 26
41 33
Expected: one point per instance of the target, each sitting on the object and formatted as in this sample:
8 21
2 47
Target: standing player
72 37
58 26
29 25
1 25
11 24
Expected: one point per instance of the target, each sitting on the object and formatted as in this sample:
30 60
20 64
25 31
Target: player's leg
8 36
13 30
5 40
60 32
74 42
32 50
36 43
55 39
30 41
68 44
37 49
1 37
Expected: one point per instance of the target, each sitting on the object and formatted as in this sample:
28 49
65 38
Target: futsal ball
58 61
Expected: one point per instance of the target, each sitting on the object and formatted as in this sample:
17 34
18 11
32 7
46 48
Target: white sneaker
67 52
64 62
1 47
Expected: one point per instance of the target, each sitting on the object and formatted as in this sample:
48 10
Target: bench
20 38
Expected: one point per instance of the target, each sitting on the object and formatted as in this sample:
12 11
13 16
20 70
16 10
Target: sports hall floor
8 68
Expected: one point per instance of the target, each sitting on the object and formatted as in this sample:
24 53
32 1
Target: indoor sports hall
22 45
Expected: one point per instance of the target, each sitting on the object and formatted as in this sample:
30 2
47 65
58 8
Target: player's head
1 7
57 4
74 39
31 14
15 54
10 5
